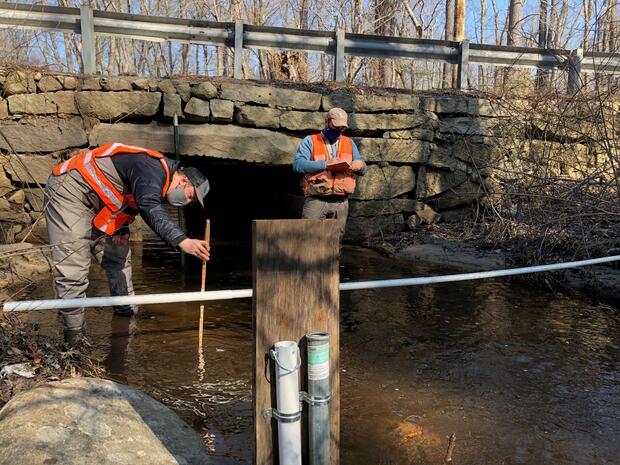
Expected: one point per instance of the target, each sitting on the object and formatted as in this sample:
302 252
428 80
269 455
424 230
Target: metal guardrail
89 23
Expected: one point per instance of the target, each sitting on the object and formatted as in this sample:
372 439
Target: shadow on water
520 376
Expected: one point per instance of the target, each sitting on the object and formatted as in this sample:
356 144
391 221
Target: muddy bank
21 266
600 283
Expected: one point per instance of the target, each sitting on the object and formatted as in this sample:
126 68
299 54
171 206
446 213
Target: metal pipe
288 414
246 293
319 395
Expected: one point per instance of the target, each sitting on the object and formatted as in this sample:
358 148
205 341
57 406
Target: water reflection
521 377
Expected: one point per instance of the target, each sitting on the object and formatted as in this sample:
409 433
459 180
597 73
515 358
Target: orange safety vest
118 209
326 182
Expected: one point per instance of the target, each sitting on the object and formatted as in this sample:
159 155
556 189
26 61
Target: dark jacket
144 177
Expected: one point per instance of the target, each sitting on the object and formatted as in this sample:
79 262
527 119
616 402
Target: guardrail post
574 69
238 57
87 32
339 63
463 65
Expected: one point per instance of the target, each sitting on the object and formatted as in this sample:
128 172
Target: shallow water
518 375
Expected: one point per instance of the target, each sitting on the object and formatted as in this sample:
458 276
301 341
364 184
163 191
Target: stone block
4 109
18 197
302 120
381 207
349 102
18 82
49 84
222 111
393 150
166 86
384 182
140 84
5 182
364 228
69 82
204 91
443 157
31 104
386 122
183 89
31 169
116 84
434 182
425 133
64 101
463 194
197 110
112 105
36 199
271 96
224 141
91 83
172 105
448 104
469 126
35 233
260 117
42 135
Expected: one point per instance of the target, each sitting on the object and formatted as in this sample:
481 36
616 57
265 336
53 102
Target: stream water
518 375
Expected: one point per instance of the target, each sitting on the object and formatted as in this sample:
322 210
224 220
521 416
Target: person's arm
303 163
361 171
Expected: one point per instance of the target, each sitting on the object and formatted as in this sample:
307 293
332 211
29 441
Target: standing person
91 200
329 162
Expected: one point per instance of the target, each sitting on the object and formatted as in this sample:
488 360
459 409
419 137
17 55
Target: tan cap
338 117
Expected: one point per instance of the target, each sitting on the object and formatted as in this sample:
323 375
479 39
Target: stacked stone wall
430 157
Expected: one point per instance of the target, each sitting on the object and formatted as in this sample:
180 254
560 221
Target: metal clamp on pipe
270 413
314 400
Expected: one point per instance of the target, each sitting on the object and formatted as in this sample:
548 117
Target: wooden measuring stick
202 284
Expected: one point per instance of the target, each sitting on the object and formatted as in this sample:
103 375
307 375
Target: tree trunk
542 75
449 35
514 22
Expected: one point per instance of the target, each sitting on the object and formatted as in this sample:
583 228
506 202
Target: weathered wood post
295 291
574 70
87 33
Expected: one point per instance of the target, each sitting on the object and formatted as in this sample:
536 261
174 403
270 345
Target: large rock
382 207
49 84
30 169
36 199
19 82
69 82
386 122
434 182
363 228
197 110
116 84
222 111
31 104
5 182
64 101
370 103
204 91
426 133
384 182
212 140
464 194
42 135
172 105
271 96
468 126
94 421
112 105
260 117
4 109
445 104
302 120
393 150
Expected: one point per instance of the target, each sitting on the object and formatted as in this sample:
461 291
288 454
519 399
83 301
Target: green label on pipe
318 362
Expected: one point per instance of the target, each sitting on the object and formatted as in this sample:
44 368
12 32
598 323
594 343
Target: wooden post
574 70
295 285
87 32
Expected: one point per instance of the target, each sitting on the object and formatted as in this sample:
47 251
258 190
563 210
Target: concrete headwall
429 156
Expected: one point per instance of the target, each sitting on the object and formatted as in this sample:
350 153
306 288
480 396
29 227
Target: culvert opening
242 192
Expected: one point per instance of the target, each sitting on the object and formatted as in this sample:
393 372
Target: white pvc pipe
287 357
176 297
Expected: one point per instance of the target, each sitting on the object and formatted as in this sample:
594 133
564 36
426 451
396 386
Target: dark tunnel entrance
242 192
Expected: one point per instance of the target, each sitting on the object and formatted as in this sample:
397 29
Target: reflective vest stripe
111 196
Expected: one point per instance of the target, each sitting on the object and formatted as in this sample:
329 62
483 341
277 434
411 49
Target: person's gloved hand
357 166
121 239
195 247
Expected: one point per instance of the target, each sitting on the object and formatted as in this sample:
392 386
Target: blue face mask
332 134
176 197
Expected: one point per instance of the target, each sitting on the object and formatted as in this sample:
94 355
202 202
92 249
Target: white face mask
176 197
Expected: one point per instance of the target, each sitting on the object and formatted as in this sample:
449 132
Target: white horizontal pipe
176 297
